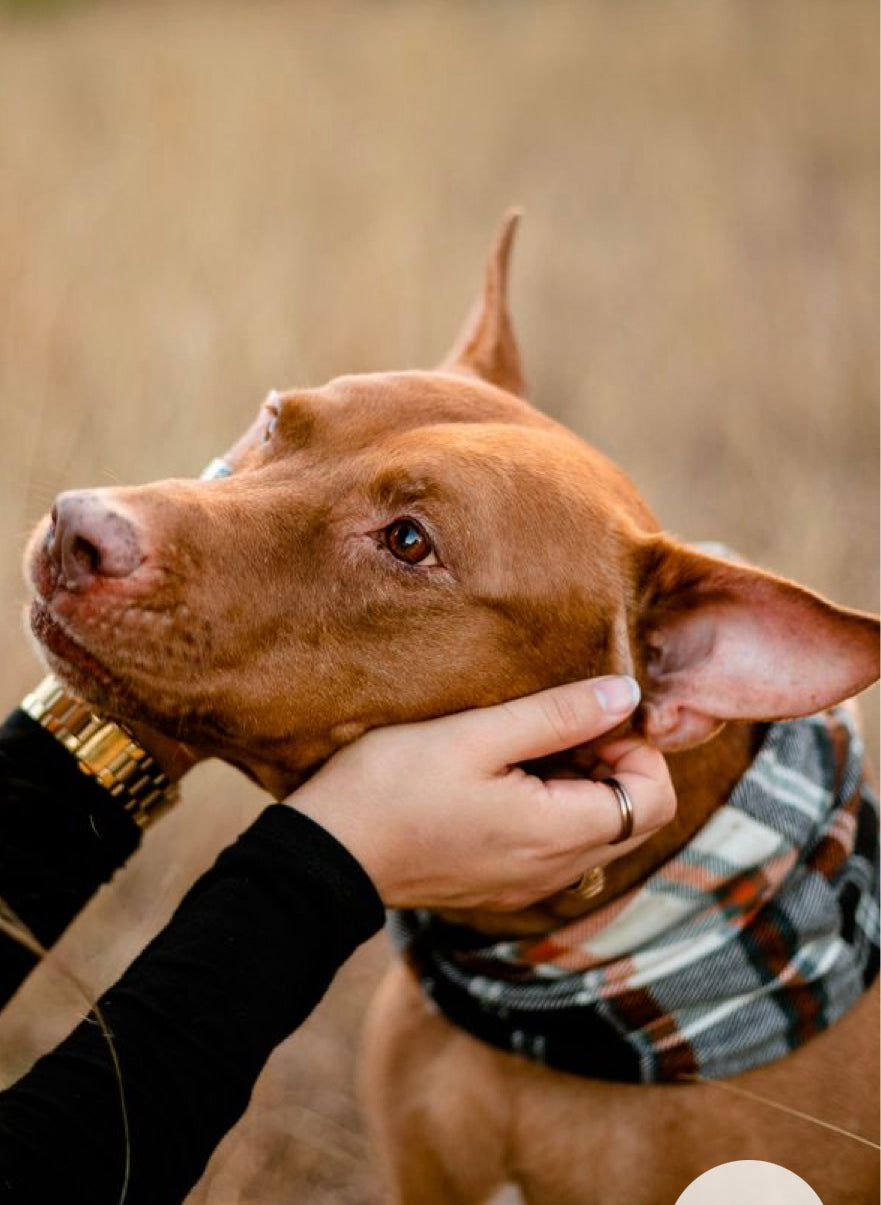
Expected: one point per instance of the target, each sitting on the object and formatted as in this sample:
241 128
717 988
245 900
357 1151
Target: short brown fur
268 624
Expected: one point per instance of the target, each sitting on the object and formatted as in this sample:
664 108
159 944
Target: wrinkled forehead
353 414
450 439
519 513
483 443
438 434
362 408
485 464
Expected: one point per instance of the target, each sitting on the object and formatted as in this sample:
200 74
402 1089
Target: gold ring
589 885
625 807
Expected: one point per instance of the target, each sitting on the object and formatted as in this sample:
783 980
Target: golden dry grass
203 200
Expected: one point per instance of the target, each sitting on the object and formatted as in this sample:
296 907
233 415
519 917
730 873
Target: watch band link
103 750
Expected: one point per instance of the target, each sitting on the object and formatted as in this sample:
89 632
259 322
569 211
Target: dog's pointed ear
723 641
486 346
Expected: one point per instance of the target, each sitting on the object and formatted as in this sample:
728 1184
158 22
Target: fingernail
617 694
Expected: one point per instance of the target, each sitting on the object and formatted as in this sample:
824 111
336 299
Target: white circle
765 1184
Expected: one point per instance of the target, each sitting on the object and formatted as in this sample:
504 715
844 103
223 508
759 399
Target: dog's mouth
118 695
67 655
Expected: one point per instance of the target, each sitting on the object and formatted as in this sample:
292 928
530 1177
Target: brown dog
398 546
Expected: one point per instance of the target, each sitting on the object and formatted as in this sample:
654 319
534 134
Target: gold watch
103 750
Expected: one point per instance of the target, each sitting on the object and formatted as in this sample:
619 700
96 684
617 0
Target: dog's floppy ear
723 641
486 346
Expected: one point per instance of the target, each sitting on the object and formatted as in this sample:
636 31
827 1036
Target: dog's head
401 545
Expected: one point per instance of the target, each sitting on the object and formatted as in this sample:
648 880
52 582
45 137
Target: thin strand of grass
775 1104
15 928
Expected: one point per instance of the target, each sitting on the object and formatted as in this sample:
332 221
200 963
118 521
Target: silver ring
625 807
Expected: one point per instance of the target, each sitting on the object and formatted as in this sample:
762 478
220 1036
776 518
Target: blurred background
201 201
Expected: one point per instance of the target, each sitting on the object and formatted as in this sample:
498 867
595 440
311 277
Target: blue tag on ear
217 468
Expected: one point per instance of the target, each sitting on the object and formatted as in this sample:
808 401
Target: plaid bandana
757 935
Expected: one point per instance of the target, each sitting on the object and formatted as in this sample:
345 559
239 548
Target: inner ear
723 641
486 346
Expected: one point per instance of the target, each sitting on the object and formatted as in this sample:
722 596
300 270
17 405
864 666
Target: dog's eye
407 541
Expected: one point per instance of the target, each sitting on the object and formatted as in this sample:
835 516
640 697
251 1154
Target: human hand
440 815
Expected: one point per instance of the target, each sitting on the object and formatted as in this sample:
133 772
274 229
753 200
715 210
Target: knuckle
665 804
562 717
671 805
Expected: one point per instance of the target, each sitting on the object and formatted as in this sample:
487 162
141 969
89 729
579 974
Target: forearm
246 957
61 837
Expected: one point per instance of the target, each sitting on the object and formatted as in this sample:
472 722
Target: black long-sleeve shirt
247 955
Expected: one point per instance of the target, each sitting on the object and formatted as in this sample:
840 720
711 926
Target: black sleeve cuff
61 837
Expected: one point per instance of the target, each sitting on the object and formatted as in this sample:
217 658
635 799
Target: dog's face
386 548
397 546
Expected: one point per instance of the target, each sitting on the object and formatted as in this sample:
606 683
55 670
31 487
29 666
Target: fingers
591 809
630 755
552 720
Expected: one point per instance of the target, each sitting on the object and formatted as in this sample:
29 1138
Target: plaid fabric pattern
758 934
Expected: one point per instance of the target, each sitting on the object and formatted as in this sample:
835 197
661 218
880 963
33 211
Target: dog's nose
89 539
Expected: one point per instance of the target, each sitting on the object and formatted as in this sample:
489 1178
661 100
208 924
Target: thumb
552 720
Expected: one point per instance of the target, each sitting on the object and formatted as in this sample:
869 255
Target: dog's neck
703 779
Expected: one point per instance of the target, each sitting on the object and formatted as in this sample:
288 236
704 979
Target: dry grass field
201 201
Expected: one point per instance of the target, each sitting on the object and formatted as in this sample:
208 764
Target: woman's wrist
138 771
